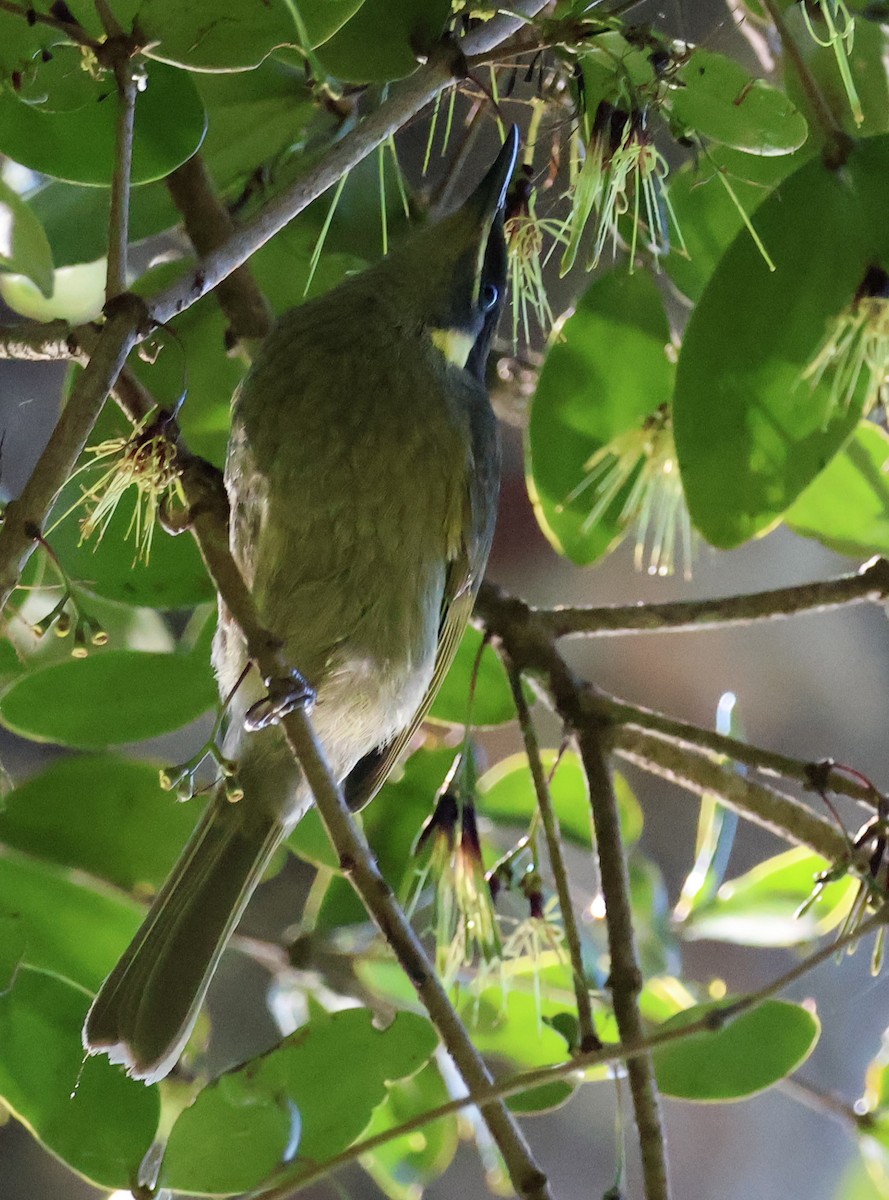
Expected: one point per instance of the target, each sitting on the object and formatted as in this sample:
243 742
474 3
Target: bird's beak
488 198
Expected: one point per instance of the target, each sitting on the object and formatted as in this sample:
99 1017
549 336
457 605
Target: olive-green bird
362 472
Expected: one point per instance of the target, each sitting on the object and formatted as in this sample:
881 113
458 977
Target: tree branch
405 101
625 976
296 1178
49 341
119 215
203 492
209 224
698 773
588 1038
868 585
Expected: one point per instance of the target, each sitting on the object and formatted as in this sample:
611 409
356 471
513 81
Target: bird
362 474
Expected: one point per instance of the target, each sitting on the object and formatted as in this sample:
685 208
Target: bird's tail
146 1009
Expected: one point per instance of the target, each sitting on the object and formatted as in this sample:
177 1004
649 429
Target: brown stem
209 225
209 526
869 585
625 977
119 216
588 1038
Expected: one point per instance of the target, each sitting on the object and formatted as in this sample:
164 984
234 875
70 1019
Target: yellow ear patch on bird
454 344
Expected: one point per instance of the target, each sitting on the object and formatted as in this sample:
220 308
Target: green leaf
214 35
75 931
716 98
294 1103
77 296
24 248
322 18
404 1165
252 118
383 40
507 794
87 1113
846 507
489 703
750 432
760 907
745 1056
603 375
109 698
101 814
78 143
76 218
511 1025
701 197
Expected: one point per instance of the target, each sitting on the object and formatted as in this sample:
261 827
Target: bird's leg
286 694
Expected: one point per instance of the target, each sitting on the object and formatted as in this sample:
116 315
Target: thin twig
625 977
829 1103
700 774
356 858
588 1038
531 643
405 101
119 216
838 143
868 585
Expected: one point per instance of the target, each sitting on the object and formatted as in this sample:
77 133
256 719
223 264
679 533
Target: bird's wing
462 582
370 773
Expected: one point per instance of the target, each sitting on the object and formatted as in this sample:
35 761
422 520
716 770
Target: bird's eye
489 297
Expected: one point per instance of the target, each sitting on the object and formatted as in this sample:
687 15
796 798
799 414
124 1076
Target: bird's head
451 276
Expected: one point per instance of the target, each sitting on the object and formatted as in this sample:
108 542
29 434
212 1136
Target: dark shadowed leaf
384 39
88 1114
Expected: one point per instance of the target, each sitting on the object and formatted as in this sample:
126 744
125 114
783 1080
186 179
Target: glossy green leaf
78 143
603 375
215 35
252 118
104 815
294 1103
745 1056
87 1113
510 1025
21 43
24 248
404 1165
321 19
74 930
76 218
490 702
846 507
109 698
705 194
760 907
750 432
384 40
715 97
507 794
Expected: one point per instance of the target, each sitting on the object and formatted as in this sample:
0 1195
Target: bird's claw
286 694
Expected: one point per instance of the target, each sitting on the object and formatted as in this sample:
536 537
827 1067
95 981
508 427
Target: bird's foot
286 694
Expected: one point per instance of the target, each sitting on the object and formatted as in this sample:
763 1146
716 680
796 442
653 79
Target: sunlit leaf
745 1056
24 248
